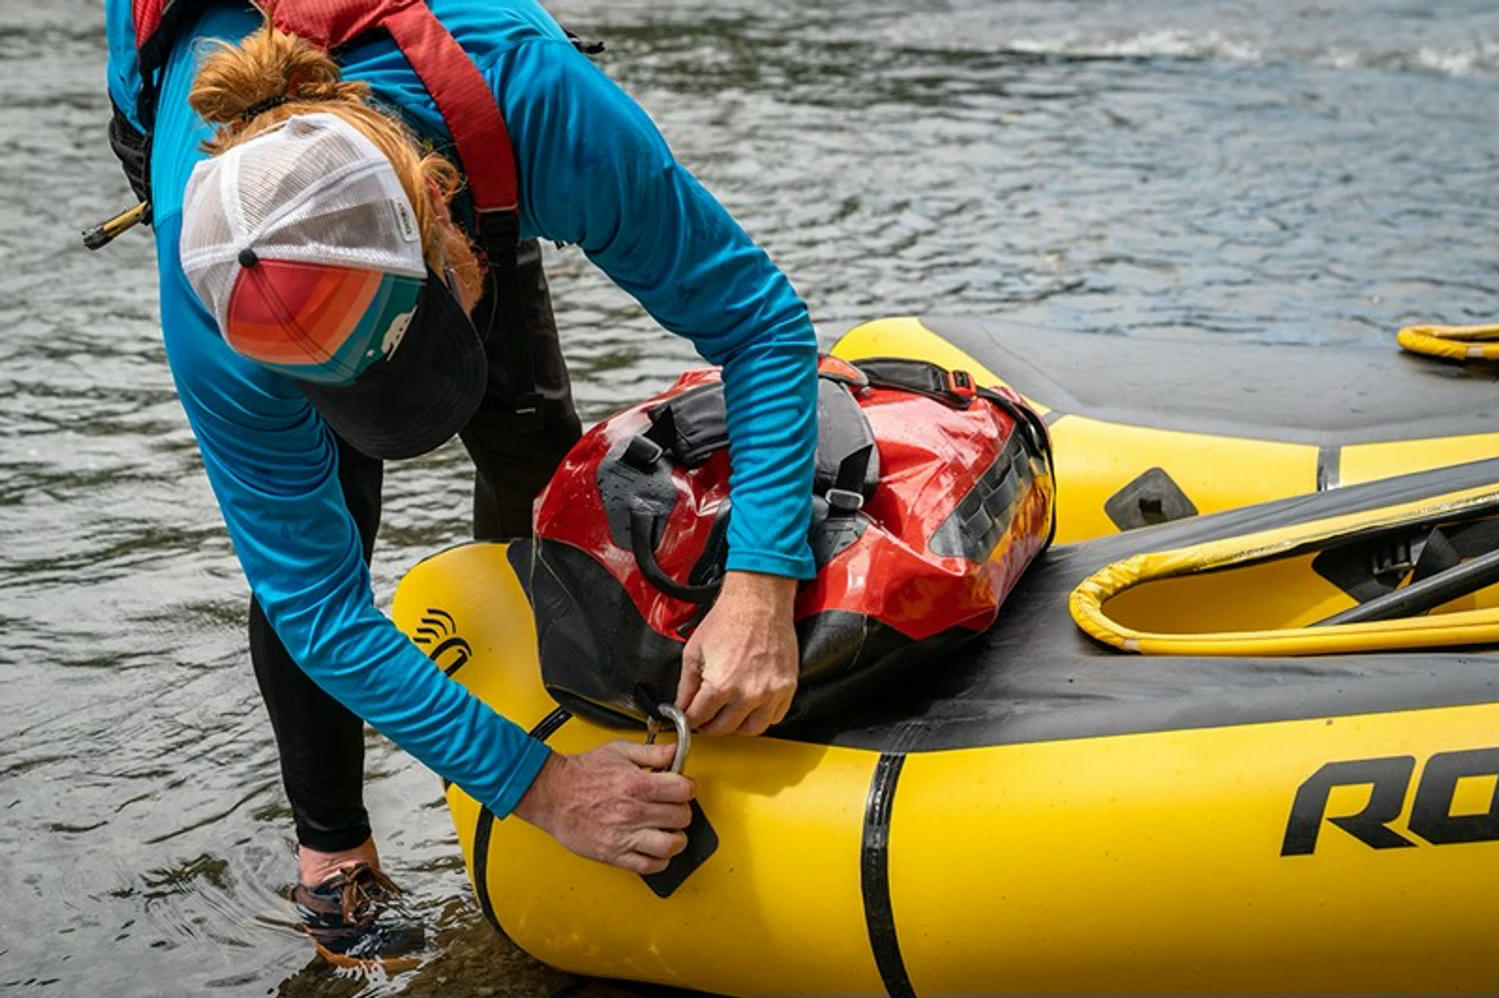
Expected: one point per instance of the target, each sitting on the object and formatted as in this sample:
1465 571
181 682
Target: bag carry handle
643 521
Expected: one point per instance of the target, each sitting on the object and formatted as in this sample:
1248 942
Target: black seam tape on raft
482 829
874 878
547 726
1329 467
544 729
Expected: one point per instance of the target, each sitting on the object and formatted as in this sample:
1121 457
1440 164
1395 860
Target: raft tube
1043 813
1152 430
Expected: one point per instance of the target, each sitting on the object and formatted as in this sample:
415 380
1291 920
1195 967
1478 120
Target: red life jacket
930 499
467 105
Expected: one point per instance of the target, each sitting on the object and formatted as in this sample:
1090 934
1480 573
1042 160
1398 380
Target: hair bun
237 82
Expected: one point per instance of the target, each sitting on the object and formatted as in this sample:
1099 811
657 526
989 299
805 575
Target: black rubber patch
702 842
874 878
1150 499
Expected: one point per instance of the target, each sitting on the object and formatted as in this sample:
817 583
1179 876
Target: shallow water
1271 171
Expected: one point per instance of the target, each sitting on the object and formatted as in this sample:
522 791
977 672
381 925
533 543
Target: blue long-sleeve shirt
592 170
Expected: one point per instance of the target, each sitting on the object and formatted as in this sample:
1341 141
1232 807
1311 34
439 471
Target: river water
1266 170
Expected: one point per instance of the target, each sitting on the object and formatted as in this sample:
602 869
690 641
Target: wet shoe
358 919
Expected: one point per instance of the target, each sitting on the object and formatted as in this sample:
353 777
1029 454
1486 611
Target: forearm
374 670
771 396
273 468
764 593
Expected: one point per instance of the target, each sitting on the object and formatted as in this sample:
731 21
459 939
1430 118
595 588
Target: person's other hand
609 804
739 668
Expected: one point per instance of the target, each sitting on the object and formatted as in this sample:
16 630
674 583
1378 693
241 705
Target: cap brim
414 400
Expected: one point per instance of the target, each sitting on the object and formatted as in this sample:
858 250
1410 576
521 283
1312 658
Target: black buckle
844 502
1395 557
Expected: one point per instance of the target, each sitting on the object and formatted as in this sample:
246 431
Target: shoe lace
363 887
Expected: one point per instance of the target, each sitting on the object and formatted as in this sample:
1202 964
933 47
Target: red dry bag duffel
930 499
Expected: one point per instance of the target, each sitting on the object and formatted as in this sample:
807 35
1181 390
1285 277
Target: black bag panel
597 652
835 676
843 431
692 426
634 479
595 647
626 489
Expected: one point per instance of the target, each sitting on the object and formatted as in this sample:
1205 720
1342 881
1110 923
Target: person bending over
324 308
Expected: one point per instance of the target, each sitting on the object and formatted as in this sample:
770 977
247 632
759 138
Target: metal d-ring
684 733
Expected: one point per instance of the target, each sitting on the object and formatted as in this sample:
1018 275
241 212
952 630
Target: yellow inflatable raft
1048 813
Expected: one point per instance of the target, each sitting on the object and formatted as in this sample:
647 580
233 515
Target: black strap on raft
1367 568
1434 558
1418 597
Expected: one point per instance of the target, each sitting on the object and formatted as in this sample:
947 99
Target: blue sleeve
272 464
594 170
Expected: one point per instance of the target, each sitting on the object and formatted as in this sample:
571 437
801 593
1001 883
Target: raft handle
684 733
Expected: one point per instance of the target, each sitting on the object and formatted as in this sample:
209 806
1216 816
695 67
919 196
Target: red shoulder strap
464 99
156 22
147 15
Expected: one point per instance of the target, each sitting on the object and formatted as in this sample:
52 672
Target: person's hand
740 666
608 804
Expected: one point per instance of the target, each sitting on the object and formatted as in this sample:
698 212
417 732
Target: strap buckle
960 385
843 502
1395 557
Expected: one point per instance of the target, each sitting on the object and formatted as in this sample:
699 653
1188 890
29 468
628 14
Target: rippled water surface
1271 171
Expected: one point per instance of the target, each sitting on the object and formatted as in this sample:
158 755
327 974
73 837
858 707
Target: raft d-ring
684 733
